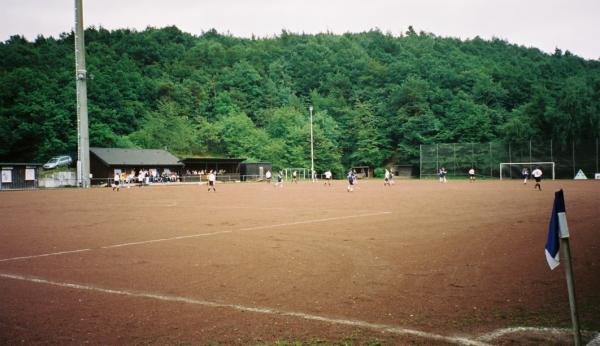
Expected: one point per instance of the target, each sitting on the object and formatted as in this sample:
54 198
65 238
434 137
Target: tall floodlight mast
83 140
312 155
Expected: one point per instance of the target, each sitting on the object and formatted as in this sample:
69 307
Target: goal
302 173
513 169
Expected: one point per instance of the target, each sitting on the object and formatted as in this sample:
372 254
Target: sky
572 25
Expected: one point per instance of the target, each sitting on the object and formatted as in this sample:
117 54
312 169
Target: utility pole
83 140
312 155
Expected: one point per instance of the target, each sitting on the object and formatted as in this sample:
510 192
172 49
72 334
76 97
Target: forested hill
376 97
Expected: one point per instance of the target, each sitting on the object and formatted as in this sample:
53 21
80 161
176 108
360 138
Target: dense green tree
167 128
376 96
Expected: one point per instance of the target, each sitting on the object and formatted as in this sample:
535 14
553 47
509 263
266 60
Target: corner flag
557 228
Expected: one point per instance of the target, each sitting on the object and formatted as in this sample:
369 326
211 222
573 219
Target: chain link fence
457 158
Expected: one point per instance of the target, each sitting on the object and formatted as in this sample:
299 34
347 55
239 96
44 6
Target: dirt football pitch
418 263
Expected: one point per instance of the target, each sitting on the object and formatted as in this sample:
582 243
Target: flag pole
571 290
559 223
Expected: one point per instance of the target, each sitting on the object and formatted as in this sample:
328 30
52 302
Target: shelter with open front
227 169
105 162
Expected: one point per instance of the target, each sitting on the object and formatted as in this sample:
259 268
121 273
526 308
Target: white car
58 161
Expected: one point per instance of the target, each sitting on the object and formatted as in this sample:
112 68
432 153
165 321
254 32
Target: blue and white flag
557 229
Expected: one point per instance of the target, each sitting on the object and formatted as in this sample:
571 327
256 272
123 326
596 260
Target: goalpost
530 165
303 173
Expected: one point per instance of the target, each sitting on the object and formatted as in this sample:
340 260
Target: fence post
472 155
420 161
509 159
437 157
530 158
491 161
573 146
454 152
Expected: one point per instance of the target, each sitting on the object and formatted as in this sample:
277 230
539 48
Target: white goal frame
303 173
528 164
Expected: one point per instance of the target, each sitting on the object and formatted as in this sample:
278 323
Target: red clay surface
450 260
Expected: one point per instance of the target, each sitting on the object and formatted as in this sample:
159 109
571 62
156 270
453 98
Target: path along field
420 262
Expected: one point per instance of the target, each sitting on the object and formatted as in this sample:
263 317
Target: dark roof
7 164
191 160
135 157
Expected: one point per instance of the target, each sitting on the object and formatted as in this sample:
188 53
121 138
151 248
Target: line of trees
376 96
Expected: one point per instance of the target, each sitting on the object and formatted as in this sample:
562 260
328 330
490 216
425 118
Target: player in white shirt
116 181
212 180
268 177
537 175
327 178
472 174
386 178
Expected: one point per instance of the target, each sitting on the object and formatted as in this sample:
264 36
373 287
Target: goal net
514 170
301 173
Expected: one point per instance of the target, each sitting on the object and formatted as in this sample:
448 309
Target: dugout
19 175
406 171
363 172
228 169
104 162
255 170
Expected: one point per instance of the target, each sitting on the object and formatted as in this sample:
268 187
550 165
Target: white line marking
163 239
546 330
501 332
314 221
268 311
44 255
198 235
595 341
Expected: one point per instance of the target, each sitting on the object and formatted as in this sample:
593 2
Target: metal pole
83 160
312 158
420 161
551 151
573 146
454 152
597 156
509 160
571 290
530 158
491 163
472 155
437 158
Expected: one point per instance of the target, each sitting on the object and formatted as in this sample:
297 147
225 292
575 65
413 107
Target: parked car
58 161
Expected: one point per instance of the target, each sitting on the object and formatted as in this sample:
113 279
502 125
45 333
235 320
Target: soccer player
351 178
212 179
268 177
472 174
116 182
442 173
525 174
294 177
537 175
279 179
327 178
387 178
122 178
